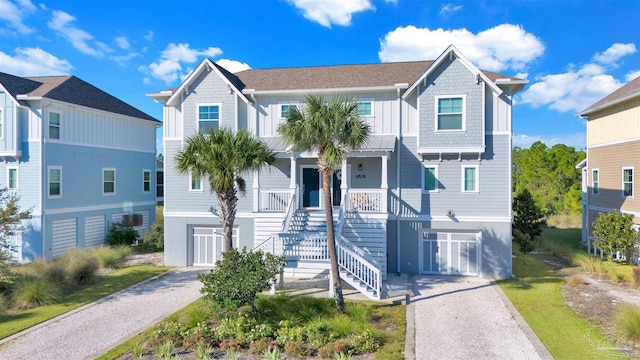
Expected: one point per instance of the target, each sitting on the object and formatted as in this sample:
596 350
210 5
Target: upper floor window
12 178
430 179
54 125
108 181
55 181
627 182
146 181
365 108
470 178
284 110
450 114
208 117
595 181
195 183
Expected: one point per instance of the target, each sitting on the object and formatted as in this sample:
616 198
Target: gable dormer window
54 125
450 113
208 117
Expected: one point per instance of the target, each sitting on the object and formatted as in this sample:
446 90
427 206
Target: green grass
537 296
15 321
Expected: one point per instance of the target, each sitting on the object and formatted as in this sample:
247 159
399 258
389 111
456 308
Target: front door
310 188
336 192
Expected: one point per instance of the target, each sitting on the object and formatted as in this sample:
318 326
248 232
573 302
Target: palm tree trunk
228 201
331 239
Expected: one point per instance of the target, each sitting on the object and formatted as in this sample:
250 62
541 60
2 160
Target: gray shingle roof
72 90
631 89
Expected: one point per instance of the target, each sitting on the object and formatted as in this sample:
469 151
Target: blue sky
572 52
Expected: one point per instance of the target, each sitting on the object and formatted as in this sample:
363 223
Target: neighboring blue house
430 193
80 158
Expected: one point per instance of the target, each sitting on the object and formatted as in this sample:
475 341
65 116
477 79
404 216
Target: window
1 124
195 183
430 179
54 125
450 113
365 108
12 178
108 181
627 182
470 178
595 181
55 181
146 181
284 110
208 117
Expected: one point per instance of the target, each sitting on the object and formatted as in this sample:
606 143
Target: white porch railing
275 200
291 209
367 200
297 246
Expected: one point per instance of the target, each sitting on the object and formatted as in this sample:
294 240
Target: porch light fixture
230 89
359 167
450 213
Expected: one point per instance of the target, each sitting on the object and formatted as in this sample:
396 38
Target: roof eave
588 111
324 90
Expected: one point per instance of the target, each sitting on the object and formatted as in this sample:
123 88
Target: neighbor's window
284 110
195 183
430 179
450 113
470 178
55 181
108 181
208 117
595 181
365 108
627 182
54 125
12 178
146 181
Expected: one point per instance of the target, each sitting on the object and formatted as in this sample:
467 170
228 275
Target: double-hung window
55 181
595 181
12 178
108 181
365 108
54 125
450 113
430 179
146 181
284 110
470 178
195 183
208 117
627 182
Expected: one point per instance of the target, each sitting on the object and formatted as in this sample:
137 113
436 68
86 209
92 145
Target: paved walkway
469 318
92 330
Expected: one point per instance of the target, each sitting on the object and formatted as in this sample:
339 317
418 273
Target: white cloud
577 140
632 75
122 42
233 66
614 53
33 62
327 12
505 46
14 14
448 9
123 60
522 75
168 67
79 39
149 36
394 2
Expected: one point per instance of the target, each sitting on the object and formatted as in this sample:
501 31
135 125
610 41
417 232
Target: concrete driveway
469 318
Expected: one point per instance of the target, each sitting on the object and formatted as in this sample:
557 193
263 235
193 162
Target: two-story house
78 157
430 193
613 153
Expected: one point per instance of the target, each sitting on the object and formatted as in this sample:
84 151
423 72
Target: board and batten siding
173 124
8 116
615 123
63 236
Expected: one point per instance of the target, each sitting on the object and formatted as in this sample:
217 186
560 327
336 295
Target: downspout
398 188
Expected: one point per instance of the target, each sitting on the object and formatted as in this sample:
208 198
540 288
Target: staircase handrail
358 267
266 246
291 207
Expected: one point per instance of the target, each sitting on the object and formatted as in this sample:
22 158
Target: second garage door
450 253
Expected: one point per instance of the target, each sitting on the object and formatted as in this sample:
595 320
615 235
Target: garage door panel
450 253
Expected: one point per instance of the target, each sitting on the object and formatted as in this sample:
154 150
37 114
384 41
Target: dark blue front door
310 187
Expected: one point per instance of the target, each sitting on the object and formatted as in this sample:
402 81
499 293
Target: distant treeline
551 176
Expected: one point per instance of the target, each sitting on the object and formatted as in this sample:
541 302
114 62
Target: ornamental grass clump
81 266
32 291
627 323
108 258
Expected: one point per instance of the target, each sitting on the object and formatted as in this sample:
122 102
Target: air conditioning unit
127 219
137 220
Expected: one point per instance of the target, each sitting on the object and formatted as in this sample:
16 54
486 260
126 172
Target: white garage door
94 231
450 253
207 245
63 236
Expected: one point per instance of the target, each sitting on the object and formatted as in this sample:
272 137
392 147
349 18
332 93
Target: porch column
343 181
292 183
256 191
384 185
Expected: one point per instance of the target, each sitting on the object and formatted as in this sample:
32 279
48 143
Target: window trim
198 105
49 168
436 187
144 171
366 101
59 124
115 178
9 168
464 112
477 178
280 106
191 189
595 184
623 182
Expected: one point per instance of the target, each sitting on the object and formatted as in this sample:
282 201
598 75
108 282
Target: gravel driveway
95 329
466 318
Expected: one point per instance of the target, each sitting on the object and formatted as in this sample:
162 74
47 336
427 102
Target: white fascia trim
55 141
97 207
497 132
617 142
611 103
316 91
495 219
451 150
606 209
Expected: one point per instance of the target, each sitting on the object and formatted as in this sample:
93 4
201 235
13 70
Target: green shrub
359 313
317 332
238 278
139 350
627 323
271 354
297 349
287 331
31 291
330 350
244 328
121 234
203 352
258 347
155 237
231 345
164 350
365 342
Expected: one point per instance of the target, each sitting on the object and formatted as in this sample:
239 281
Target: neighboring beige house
613 157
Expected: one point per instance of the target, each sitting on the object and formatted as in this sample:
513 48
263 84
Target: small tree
615 233
238 278
528 221
11 217
155 237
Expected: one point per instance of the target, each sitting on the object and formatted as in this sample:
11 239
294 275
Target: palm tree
332 129
222 158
